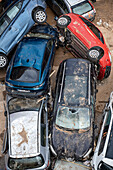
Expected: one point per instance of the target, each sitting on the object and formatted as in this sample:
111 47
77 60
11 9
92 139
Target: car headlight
87 154
110 57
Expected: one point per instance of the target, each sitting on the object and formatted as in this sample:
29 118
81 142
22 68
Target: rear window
73 118
25 163
82 8
25 74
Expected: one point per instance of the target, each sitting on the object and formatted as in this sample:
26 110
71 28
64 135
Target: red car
84 39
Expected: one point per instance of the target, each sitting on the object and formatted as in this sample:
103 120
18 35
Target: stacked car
31 44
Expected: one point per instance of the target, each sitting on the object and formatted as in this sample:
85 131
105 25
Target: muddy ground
104 9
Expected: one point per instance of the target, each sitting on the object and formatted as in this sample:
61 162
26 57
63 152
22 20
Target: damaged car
72 129
25 143
84 39
81 7
103 155
30 67
16 21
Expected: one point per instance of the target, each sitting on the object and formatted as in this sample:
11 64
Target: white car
103 155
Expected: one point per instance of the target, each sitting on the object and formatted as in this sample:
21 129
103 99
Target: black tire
39 15
95 54
3 61
63 21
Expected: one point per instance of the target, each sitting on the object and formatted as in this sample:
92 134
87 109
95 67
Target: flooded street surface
104 9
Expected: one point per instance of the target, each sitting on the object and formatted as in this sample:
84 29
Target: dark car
84 39
29 70
16 21
81 7
26 135
72 134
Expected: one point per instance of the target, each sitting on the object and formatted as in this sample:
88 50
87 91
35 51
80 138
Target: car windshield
82 8
25 74
73 118
25 163
18 104
75 90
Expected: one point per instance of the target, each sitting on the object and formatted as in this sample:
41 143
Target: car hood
72 144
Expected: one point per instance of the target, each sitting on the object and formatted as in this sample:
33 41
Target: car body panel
29 55
19 25
103 157
83 39
68 6
24 126
73 140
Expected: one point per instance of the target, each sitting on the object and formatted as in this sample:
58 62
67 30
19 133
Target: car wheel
95 54
39 15
3 60
63 21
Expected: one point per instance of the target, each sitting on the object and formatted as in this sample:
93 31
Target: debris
99 23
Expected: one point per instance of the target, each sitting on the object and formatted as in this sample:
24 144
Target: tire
39 15
95 54
63 21
3 60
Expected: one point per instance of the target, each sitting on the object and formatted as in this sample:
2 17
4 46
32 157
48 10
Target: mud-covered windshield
73 118
19 104
25 163
82 8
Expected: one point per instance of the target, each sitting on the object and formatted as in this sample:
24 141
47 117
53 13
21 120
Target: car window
14 10
25 74
18 104
94 29
73 118
25 163
43 126
82 8
105 130
3 24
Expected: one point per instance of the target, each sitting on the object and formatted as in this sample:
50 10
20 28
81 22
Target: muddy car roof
23 134
74 2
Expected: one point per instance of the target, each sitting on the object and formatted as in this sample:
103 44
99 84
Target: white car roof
74 2
24 134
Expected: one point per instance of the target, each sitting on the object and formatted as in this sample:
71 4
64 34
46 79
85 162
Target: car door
100 150
59 7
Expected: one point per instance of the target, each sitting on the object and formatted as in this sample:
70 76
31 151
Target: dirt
104 9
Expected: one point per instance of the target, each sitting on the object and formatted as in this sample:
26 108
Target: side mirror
55 18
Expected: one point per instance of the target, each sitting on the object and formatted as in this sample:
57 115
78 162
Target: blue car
29 69
16 21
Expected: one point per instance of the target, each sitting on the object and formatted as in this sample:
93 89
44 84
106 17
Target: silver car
81 7
26 136
103 155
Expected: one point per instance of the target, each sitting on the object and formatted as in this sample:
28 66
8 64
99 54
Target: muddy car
29 70
103 155
16 21
81 7
26 137
72 129
84 39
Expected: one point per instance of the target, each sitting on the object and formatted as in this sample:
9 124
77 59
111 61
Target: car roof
76 71
24 134
29 54
74 2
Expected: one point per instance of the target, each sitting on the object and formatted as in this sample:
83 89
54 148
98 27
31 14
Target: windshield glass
73 118
25 163
75 90
25 74
82 8
18 104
